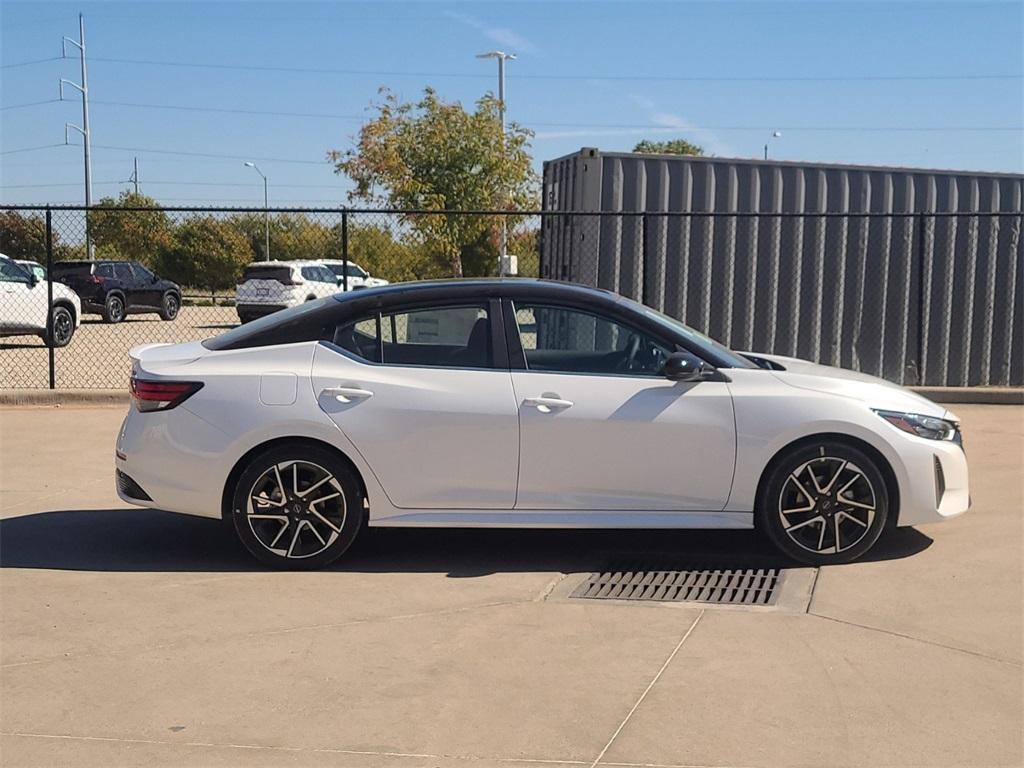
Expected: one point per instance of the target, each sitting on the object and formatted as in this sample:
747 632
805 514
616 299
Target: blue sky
886 83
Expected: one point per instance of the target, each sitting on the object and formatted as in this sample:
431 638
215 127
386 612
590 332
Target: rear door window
104 270
124 273
442 337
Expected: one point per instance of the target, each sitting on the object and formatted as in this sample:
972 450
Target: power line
172 152
652 78
29 104
546 124
209 154
30 149
178 183
188 108
27 63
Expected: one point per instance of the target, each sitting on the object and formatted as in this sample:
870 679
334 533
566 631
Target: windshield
720 351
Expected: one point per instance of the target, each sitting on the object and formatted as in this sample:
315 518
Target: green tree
292 236
207 253
433 155
670 147
142 236
377 250
23 236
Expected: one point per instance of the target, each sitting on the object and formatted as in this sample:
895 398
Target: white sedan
522 403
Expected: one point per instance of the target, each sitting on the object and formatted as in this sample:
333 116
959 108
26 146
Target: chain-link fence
917 299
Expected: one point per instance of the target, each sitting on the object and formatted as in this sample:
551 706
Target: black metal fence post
921 308
49 298
643 258
344 248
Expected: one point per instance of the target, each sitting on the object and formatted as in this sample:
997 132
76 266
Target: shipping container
911 274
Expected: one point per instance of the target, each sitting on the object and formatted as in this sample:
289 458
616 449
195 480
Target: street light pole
502 57
266 213
775 135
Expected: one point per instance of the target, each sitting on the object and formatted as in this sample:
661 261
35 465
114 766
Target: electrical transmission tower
83 89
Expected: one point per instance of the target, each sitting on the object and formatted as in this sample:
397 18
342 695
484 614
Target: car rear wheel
113 309
170 306
63 327
823 503
297 507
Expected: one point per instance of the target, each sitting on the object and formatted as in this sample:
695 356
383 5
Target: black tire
113 308
284 531
819 492
63 324
170 305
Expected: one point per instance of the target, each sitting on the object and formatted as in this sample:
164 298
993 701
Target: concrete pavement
132 637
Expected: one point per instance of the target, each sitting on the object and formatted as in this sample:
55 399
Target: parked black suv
114 289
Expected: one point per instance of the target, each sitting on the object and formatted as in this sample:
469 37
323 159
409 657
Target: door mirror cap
684 366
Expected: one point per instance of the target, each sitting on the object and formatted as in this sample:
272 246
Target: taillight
161 395
95 279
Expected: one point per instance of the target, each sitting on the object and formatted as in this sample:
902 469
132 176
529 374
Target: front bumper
935 486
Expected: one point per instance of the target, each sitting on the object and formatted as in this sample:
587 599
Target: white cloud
503 36
708 139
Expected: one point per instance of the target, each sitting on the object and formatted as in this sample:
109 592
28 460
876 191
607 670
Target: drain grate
726 586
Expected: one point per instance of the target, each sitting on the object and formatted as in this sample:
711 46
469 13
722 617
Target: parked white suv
24 301
357 276
268 286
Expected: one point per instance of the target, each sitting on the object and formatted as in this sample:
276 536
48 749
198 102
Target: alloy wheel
827 505
171 306
296 509
62 327
115 309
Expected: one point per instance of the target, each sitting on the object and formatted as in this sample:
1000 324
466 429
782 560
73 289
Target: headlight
922 426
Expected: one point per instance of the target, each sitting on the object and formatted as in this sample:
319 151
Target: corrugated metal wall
913 275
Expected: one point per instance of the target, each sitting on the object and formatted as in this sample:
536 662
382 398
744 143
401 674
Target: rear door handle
347 394
547 404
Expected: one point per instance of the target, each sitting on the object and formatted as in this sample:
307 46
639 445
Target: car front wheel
297 507
169 306
823 503
62 324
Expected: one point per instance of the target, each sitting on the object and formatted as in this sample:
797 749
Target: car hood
876 392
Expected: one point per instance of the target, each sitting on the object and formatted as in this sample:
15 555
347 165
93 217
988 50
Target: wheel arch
891 484
68 305
239 467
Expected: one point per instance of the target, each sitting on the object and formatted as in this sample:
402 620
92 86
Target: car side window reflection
12 273
561 339
361 338
443 337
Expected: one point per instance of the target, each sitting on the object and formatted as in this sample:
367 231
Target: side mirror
683 366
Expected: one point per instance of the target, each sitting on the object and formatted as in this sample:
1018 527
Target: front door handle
347 394
548 404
